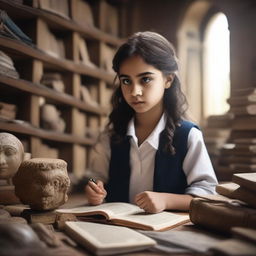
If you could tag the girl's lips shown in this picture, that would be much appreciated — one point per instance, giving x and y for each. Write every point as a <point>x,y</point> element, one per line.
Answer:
<point>138,102</point>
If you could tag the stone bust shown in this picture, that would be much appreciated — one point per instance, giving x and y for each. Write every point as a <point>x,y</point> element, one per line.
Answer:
<point>42,183</point>
<point>11,155</point>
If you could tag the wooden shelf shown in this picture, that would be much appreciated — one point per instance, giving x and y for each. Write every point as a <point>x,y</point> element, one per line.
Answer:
<point>76,42</point>
<point>41,90</point>
<point>58,21</point>
<point>27,129</point>
<point>21,48</point>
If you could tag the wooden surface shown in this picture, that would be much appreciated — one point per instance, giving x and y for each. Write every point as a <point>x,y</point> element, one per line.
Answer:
<point>55,97</point>
<point>26,12</point>
<point>80,200</point>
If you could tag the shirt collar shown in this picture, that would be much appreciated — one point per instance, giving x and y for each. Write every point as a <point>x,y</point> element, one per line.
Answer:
<point>153,138</point>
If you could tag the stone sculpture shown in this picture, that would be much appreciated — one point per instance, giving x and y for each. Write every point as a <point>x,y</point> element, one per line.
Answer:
<point>11,155</point>
<point>51,118</point>
<point>42,183</point>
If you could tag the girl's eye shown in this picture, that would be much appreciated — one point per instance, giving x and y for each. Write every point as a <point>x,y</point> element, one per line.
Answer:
<point>146,80</point>
<point>125,81</point>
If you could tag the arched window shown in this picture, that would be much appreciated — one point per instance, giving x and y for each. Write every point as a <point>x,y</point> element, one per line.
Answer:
<point>216,66</point>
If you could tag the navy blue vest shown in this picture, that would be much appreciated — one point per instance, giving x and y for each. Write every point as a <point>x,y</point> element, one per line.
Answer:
<point>168,173</point>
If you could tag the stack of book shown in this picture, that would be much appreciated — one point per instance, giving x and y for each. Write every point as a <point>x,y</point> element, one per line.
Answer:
<point>216,133</point>
<point>7,66</point>
<point>232,212</point>
<point>242,188</point>
<point>235,206</point>
<point>239,154</point>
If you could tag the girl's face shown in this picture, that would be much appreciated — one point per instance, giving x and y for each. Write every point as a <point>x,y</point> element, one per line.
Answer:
<point>142,85</point>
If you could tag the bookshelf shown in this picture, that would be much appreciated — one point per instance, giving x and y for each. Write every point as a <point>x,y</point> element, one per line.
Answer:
<point>79,53</point>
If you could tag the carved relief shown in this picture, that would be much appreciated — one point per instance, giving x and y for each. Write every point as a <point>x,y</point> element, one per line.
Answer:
<point>42,183</point>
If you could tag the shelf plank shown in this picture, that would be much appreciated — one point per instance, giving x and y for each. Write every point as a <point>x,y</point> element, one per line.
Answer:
<point>21,48</point>
<point>59,21</point>
<point>27,129</point>
<point>48,93</point>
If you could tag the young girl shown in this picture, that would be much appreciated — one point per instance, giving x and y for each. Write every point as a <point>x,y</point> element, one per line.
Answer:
<point>149,154</point>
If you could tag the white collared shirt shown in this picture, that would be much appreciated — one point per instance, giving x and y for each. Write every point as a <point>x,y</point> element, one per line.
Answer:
<point>197,166</point>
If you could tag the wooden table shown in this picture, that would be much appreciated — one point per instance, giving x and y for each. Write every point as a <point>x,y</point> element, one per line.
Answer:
<point>79,200</point>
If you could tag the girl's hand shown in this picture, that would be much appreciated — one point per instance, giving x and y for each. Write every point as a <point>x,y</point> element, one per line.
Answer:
<point>152,202</point>
<point>95,193</point>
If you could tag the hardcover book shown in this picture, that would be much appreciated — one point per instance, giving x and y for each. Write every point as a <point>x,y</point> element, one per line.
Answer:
<point>221,216</point>
<point>246,180</point>
<point>233,190</point>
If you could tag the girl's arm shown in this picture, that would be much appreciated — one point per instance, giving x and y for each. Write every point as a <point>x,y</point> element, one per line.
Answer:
<point>197,166</point>
<point>99,159</point>
<point>200,175</point>
<point>154,202</point>
<point>98,170</point>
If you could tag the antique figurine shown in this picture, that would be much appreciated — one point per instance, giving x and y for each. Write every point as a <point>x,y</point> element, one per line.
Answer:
<point>42,183</point>
<point>51,118</point>
<point>11,155</point>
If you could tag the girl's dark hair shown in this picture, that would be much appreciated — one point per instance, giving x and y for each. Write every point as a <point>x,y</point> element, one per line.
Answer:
<point>157,51</point>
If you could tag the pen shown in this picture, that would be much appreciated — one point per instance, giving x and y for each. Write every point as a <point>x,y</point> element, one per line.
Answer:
<point>96,188</point>
<point>93,180</point>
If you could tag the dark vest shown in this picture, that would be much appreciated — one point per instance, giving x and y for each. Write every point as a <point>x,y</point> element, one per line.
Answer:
<point>168,173</point>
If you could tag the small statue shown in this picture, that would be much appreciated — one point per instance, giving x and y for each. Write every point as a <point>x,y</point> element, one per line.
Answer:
<point>51,118</point>
<point>11,155</point>
<point>42,183</point>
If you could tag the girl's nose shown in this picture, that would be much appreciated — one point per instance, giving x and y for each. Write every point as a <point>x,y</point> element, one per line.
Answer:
<point>136,91</point>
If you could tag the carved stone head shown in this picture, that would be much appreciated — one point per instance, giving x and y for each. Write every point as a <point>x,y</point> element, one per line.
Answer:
<point>11,155</point>
<point>42,183</point>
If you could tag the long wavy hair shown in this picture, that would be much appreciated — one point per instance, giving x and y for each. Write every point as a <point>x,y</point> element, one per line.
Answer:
<point>157,51</point>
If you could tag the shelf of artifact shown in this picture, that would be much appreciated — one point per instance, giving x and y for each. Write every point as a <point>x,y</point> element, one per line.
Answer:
<point>19,48</point>
<point>22,127</point>
<point>27,12</point>
<point>74,154</point>
<point>20,85</point>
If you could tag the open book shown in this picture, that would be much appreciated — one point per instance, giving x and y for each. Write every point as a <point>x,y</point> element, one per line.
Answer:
<point>103,239</point>
<point>129,215</point>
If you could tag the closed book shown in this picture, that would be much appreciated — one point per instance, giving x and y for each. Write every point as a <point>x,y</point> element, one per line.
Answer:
<point>233,190</point>
<point>102,239</point>
<point>244,123</point>
<point>246,180</point>
<point>221,216</point>
<point>244,110</point>
<point>242,100</point>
